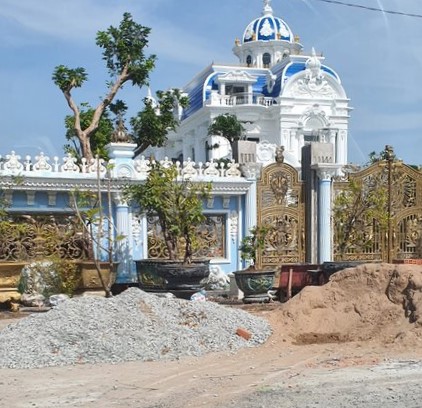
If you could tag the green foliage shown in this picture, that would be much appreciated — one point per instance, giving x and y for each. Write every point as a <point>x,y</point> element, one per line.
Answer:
<point>386,154</point>
<point>69,276</point>
<point>253,243</point>
<point>227,126</point>
<point>50,277</point>
<point>356,209</point>
<point>66,78</point>
<point>152,124</point>
<point>176,203</point>
<point>123,50</point>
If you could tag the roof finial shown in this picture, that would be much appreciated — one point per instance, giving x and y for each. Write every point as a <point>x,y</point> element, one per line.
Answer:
<point>267,8</point>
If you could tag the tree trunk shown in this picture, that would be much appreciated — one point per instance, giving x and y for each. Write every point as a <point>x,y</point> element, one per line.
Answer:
<point>85,146</point>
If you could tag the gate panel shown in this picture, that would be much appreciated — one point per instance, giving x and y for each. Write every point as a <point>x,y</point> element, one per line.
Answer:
<point>280,205</point>
<point>378,214</point>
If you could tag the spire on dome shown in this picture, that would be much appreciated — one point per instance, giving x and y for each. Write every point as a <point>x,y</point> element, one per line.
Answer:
<point>151,98</point>
<point>268,10</point>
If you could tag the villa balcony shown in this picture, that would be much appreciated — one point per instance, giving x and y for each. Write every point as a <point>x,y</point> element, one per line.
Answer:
<point>240,99</point>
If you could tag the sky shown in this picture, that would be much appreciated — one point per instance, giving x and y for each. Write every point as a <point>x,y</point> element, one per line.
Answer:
<point>377,55</point>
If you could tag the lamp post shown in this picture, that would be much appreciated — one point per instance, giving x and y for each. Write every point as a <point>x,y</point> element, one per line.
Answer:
<point>389,157</point>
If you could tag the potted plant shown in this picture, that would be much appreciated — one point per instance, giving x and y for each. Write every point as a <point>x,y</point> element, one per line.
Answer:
<point>98,270</point>
<point>177,203</point>
<point>253,281</point>
<point>229,127</point>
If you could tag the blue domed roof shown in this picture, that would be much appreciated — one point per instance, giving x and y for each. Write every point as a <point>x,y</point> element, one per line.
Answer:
<point>267,27</point>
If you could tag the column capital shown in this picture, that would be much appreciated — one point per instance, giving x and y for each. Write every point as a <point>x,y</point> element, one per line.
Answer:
<point>119,200</point>
<point>326,171</point>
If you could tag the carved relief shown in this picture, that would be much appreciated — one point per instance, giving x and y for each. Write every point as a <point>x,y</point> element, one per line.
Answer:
<point>280,204</point>
<point>279,184</point>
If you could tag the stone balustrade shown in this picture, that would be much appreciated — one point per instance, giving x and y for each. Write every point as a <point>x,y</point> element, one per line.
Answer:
<point>67,167</point>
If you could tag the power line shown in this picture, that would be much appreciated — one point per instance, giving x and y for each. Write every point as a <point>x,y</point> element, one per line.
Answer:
<point>372,8</point>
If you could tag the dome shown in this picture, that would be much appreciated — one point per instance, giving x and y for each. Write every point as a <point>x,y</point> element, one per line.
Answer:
<point>267,27</point>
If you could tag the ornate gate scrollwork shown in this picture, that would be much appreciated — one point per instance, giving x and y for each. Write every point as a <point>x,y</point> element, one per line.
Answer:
<point>35,236</point>
<point>280,205</point>
<point>389,225</point>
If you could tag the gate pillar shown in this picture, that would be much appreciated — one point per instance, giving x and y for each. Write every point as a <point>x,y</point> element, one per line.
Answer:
<point>325,172</point>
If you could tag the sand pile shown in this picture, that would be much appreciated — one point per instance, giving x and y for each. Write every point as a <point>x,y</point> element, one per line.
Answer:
<point>379,302</point>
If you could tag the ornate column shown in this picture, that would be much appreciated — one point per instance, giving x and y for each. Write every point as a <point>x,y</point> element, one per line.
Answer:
<point>125,272</point>
<point>324,172</point>
<point>252,173</point>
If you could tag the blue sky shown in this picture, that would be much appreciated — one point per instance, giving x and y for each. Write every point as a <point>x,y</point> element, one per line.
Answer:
<point>378,57</point>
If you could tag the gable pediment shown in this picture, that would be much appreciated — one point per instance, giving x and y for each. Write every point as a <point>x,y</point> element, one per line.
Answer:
<point>238,76</point>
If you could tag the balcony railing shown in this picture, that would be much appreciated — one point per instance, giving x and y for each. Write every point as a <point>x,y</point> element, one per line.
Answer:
<point>240,99</point>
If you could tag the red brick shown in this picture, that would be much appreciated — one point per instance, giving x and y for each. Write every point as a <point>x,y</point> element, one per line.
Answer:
<point>243,333</point>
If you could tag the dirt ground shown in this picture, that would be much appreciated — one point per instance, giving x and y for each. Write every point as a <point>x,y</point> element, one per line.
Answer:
<point>253,377</point>
<point>373,358</point>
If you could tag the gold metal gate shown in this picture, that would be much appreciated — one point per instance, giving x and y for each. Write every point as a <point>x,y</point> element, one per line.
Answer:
<point>378,213</point>
<point>280,205</point>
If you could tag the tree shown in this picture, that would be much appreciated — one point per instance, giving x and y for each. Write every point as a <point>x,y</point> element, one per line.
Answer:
<point>152,124</point>
<point>93,213</point>
<point>356,209</point>
<point>227,126</point>
<point>99,138</point>
<point>123,51</point>
<point>386,154</point>
<point>176,202</point>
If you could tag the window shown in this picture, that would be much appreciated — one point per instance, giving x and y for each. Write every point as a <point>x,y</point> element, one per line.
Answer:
<point>234,89</point>
<point>266,60</point>
<point>312,136</point>
<point>249,60</point>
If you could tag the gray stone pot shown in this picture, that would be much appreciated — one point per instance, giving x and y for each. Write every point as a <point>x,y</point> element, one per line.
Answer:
<point>255,284</point>
<point>162,275</point>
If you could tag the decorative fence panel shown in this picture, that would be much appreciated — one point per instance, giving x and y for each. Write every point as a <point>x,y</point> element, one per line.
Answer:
<point>35,237</point>
<point>384,222</point>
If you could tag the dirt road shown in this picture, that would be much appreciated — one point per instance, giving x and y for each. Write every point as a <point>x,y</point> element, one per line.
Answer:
<point>281,374</point>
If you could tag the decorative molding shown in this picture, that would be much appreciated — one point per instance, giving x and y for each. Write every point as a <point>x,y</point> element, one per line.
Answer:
<point>137,229</point>
<point>234,225</point>
<point>237,76</point>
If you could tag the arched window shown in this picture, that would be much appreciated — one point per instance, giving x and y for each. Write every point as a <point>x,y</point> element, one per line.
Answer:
<point>249,60</point>
<point>266,60</point>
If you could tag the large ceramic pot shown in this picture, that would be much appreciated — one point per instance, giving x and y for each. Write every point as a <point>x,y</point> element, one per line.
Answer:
<point>255,284</point>
<point>90,281</point>
<point>329,268</point>
<point>161,275</point>
<point>9,279</point>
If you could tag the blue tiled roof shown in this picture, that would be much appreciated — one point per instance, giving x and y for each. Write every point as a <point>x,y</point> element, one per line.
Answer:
<point>267,28</point>
<point>295,67</point>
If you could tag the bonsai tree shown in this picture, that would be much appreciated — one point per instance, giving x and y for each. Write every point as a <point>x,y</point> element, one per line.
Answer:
<point>227,126</point>
<point>152,124</point>
<point>176,203</point>
<point>123,52</point>
<point>253,243</point>
<point>90,128</point>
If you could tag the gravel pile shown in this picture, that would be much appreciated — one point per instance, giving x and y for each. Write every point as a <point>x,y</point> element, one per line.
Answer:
<point>134,325</point>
